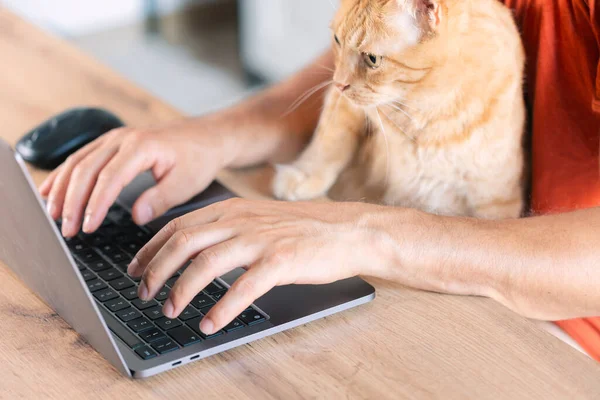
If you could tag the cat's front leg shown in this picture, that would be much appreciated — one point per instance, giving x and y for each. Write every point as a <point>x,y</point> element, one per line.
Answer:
<point>330,151</point>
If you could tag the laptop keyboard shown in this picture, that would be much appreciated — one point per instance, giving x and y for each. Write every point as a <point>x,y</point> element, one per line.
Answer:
<point>102,259</point>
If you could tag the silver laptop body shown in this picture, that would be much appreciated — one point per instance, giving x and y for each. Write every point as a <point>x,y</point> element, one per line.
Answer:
<point>31,245</point>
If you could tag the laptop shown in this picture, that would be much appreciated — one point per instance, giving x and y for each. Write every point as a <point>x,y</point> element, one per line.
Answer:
<point>84,280</point>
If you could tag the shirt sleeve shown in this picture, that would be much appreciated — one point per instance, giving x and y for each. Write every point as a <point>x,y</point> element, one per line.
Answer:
<point>595,19</point>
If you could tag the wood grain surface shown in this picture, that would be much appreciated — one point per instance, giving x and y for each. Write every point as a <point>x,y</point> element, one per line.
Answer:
<point>405,344</point>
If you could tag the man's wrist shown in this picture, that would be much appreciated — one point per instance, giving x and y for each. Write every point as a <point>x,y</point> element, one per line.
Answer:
<point>440,254</point>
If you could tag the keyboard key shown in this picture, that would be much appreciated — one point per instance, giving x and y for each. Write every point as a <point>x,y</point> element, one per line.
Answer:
<point>106,295</point>
<point>154,313</point>
<point>130,294</point>
<point>118,215</point>
<point>142,236</point>
<point>251,317</point>
<point>96,239</point>
<point>189,313</point>
<point>142,305</point>
<point>117,304</point>
<point>110,274</point>
<point>98,265</point>
<point>234,326</point>
<point>212,288</point>
<point>79,264</point>
<point>140,324</point>
<point>163,294</point>
<point>202,300</point>
<point>145,352</point>
<point>118,329</point>
<point>131,248</point>
<point>219,295</point>
<point>87,275</point>
<point>152,335</point>
<point>205,310</point>
<point>121,283</point>
<point>128,314</point>
<point>171,281</point>
<point>78,247</point>
<point>96,284</point>
<point>195,325</point>
<point>123,267</point>
<point>114,254</point>
<point>88,256</point>
<point>165,345</point>
<point>166,323</point>
<point>184,336</point>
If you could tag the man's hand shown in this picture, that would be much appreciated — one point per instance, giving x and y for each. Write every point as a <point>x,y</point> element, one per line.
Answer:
<point>183,161</point>
<point>278,243</point>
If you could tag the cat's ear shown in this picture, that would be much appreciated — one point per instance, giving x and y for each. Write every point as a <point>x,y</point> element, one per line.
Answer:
<point>431,11</point>
<point>428,13</point>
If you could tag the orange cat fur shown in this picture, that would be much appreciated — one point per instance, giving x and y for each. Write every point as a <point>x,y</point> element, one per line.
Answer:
<point>426,110</point>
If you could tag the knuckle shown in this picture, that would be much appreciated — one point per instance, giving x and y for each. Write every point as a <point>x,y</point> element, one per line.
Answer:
<point>71,160</point>
<point>173,226</point>
<point>151,277</point>
<point>181,294</point>
<point>208,257</point>
<point>142,254</point>
<point>279,257</point>
<point>135,137</point>
<point>181,239</point>
<point>104,176</point>
<point>245,286</point>
<point>79,170</point>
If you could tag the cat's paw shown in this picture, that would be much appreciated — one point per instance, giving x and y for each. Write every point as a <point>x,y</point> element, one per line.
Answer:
<point>293,184</point>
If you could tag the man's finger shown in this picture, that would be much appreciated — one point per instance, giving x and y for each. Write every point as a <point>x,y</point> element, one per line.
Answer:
<point>121,170</point>
<point>168,192</point>
<point>56,196</point>
<point>48,182</point>
<point>208,265</point>
<point>81,184</point>
<point>204,216</point>
<point>178,250</point>
<point>250,286</point>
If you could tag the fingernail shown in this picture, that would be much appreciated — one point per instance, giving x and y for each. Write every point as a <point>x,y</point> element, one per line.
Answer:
<point>50,207</point>
<point>207,326</point>
<point>143,292</point>
<point>132,268</point>
<point>168,309</point>
<point>87,223</point>
<point>66,227</point>
<point>145,214</point>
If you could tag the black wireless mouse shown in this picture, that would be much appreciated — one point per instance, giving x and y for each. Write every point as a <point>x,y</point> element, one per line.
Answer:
<point>48,145</point>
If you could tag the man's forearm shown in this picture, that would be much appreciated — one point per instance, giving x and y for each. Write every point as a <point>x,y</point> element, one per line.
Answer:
<point>543,267</point>
<point>271,127</point>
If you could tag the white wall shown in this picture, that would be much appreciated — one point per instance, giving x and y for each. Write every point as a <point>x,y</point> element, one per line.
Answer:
<point>280,36</point>
<point>80,17</point>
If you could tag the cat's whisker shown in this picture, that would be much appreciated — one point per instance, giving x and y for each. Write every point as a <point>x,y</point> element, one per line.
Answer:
<point>402,111</point>
<point>325,67</point>
<point>305,96</point>
<point>387,149</point>
<point>412,139</point>
<point>399,103</point>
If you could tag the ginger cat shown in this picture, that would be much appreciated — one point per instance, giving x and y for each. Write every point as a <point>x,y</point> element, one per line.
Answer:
<point>426,110</point>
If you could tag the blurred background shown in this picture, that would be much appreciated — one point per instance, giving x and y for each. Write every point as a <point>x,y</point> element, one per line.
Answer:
<point>197,55</point>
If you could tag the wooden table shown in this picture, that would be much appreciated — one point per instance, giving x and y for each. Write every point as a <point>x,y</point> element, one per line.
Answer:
<point>406,344</point>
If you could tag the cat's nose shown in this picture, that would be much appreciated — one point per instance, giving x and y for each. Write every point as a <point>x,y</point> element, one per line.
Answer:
<point>342,86</point>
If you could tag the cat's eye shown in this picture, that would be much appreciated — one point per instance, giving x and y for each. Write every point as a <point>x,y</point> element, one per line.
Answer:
<point>372,60</point>
<point>337,40</point>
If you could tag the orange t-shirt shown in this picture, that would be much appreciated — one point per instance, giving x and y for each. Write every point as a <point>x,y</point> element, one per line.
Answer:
<point>562,41</point>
